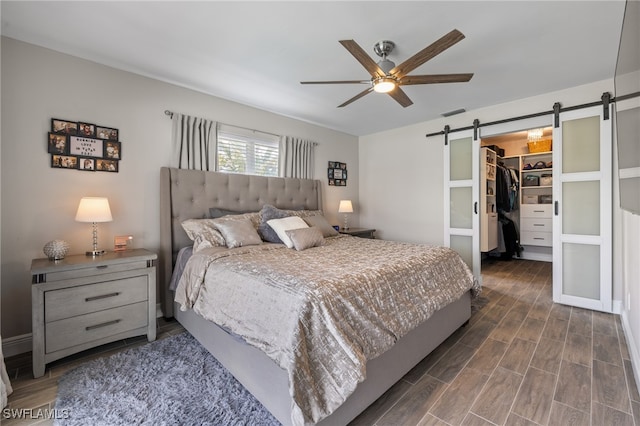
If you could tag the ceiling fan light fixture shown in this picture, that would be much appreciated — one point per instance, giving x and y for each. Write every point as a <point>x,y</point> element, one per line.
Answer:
<point>384,84</point>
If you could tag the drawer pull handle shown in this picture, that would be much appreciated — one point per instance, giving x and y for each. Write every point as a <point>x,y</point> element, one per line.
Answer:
<point>538,238</point>
<point>104,324</point>
<point>103,296</point>
<point>538,211</point>
<point>102,267</point>
<point>538,224</point>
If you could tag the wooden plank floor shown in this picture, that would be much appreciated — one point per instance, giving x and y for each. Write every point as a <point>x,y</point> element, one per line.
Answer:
<point>522,360</point>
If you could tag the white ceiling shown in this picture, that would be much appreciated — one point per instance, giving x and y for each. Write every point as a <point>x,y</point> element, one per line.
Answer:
<point>256,53</point>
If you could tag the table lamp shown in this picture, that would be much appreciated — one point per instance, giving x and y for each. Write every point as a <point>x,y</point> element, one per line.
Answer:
<point>345,207</point>
<point>94,210</point>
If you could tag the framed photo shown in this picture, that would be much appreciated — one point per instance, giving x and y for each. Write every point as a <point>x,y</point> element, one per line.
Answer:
<point>112,150</point>
<point>337,173</point>
<point>106,165</point>
<point>87,164</point>
<point>87,130</point>
<point>64,161</point>
<point>86,147</point>
<point>107,133</point>
<point>58,144</point>
<point>64,126</point>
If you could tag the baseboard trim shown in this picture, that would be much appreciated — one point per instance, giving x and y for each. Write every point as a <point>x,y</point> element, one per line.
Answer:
<point>16,345</point>
<point>542,257</point>
<point>631,344</point>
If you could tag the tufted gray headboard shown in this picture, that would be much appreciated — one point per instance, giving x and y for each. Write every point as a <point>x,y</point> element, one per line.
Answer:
<point>187,194</point>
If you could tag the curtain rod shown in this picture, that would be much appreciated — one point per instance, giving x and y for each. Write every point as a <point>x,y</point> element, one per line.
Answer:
<point>556,110</point>
<point>170,114</point>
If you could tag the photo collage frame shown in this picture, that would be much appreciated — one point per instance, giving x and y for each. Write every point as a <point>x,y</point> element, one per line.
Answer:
<point>84,146</point>
<point>337,173</point>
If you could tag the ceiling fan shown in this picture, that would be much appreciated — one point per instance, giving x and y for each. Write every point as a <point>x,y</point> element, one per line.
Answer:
<point>386,77</point>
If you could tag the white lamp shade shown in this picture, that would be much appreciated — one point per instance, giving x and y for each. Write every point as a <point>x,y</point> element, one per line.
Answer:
<point>94,209</point>
<point>345,206</point>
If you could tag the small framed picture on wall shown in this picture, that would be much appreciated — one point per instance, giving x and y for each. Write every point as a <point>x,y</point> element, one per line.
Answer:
<point>58,144</point>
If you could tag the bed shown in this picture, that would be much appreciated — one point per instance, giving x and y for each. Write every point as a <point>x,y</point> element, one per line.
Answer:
<point>189,194</point>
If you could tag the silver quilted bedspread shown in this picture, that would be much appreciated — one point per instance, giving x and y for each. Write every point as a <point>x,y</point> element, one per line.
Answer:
<point>321,313</point>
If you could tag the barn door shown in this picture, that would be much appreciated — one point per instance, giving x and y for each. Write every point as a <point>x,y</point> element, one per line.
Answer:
<point>461,198</point>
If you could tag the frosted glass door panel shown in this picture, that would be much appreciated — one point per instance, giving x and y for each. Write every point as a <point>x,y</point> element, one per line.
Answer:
<point>581,272</point>
<point>461,158</point>
<point>581,145</point>
<point>463,245</point>
<point>581,211</point>
<point>461,197</point>
<point>582,220</point>
<point>460,211</point>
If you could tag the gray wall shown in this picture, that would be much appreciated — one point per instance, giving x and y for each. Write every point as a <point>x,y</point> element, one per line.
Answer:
<point>39,203</point>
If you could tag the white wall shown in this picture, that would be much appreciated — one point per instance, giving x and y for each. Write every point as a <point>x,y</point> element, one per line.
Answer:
<point>39,203</point>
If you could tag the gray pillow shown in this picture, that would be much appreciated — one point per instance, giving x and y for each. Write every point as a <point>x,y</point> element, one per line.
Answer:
<point>321,223</point>
<point>238,233</point>
<point>267,213</point>
<point>305,238</point>
<point>215,212</point>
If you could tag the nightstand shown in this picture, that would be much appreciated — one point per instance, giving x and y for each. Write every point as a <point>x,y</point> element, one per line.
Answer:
<point>81,302</point>
<point>359,232</point>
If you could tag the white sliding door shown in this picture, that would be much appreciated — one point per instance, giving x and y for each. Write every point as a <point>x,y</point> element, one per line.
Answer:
<point>461,198</point>
<point>582,221</point>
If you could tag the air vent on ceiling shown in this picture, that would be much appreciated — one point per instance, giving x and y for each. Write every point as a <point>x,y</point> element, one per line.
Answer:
<point>454,112</point>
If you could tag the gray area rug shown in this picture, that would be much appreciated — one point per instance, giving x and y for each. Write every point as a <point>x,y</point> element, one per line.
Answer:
<point>173,381</point>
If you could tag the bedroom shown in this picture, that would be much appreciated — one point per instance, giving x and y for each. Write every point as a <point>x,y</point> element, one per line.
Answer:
<point>39,84</point>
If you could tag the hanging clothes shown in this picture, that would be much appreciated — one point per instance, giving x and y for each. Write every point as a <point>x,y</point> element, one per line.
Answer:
<point>503,187</point>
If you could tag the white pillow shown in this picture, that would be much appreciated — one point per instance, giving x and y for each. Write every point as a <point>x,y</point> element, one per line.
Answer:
<point>281,226</point>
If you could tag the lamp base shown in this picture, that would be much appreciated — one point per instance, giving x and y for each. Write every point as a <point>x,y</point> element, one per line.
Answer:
<point>95,253</point>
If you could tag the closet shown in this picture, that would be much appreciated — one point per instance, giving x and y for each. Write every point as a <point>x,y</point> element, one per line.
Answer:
<point>527,202</point>
<point>564,210</point>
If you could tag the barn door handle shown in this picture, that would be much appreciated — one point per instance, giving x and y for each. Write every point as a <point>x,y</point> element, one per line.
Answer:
<point>556,208</point>
<point>475,207</point>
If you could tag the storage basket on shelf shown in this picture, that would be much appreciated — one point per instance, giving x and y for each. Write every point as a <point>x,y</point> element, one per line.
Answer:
<point>543,145</point>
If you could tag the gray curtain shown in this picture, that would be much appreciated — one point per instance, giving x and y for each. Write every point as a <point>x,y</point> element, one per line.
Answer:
<point>194,143</point>
<point>296,157</point>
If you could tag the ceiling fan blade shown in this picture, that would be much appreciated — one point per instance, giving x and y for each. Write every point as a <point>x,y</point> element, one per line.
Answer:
<point>338,82</point>
<point>356,97</point>
<point>435,78</point>
<point>367,62</point>
<point>427,53</point>
<point>401,97</point>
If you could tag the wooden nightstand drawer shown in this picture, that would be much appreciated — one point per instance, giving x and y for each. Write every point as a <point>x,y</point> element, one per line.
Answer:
<point>72,301</point>
<point>95,270</point>
<point>81,329</point>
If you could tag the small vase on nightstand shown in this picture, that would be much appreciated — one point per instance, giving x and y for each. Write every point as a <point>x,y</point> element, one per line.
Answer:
<point>56,249</point>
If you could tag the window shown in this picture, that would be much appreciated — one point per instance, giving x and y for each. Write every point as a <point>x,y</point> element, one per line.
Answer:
<point>247,151</point>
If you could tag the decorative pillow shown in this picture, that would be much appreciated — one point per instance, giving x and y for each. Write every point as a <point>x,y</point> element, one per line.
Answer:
<point>305,238</point>
<point>281,226</point>
<point>267,213</point>
<point>203,233</point>
<point>321,223</point>
<point>215,212</point>
<point>254,217</point>
<point>238,233</point>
